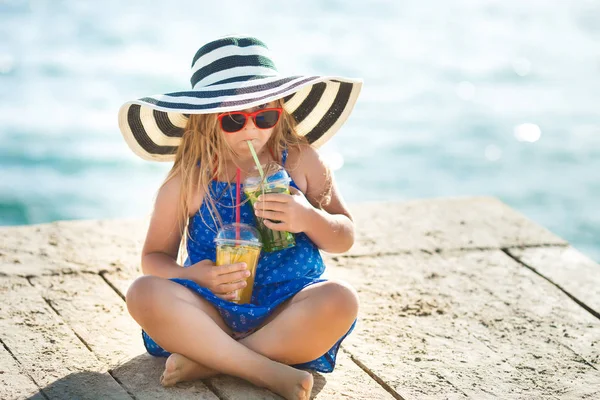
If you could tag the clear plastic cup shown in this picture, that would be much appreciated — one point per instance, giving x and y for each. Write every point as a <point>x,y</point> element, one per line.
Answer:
<point>239,243</point>
<point>276,180</point>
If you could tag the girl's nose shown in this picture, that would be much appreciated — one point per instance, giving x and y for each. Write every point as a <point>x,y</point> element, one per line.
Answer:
<point>250,124</point>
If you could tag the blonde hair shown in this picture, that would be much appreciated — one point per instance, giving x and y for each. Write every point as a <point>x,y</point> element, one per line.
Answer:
<point>200,159</point>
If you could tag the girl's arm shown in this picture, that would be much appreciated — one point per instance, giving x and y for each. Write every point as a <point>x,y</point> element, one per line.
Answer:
<point>159,254</point>
<point>328,224</point>
<point>331,228</point>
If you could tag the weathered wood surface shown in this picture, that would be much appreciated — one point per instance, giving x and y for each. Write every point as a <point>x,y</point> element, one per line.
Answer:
<point>140,376</point>
<point>71,246</point>
<point>478,321</point>
<point>14,383</point>
<point>460,298</point>
<point>567,268</point>
<point>442,224</point>
<point>47,349</point>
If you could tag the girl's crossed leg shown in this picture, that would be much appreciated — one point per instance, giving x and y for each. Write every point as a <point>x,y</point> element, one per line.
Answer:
<point>300,330</point>
<point>183,323</point>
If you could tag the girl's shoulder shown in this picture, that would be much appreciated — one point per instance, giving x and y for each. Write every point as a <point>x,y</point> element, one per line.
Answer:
<point>169,194</point>
<point>169,191</point>
<point>306,159</point>
<point>307,168</point>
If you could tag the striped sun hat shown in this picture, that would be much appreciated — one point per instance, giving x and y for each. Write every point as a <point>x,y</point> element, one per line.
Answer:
<point>229,74</point>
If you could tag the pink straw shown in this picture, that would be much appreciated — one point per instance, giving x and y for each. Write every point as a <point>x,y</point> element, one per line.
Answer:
<point>238,179</point>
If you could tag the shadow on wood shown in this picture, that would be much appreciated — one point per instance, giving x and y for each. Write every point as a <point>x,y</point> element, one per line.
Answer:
<point>83,385</point>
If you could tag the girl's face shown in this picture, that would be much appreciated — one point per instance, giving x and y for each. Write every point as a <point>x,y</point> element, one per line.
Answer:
<point>238,140</point>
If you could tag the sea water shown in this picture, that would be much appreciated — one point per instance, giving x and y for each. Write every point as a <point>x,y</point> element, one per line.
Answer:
<point>467,97</point>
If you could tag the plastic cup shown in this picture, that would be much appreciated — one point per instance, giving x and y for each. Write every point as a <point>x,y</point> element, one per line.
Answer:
<point>276,180</point>
<point>239,243</point>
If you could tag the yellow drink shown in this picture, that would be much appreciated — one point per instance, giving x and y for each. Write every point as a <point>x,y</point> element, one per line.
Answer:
<point>231,254</point>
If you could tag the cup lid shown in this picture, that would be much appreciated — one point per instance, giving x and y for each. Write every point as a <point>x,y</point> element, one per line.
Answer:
<point>274,173</point>
<point>248,235</point>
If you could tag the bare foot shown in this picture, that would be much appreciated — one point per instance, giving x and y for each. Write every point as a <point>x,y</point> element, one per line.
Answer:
<point>292,383</point>
<point>179,368</point>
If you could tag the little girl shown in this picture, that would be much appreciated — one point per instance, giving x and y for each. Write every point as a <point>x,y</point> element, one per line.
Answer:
<point>296,320</point>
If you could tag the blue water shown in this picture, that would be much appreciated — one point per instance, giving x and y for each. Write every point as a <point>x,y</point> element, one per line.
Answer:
<point>447,84</point>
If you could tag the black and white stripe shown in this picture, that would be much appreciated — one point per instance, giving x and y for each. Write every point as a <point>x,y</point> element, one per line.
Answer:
<point>228,58</point>
<point>232,74</point>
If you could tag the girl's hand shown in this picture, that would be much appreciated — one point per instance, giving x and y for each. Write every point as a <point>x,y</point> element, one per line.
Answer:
<point>291,211</point>
<point>222,280</point>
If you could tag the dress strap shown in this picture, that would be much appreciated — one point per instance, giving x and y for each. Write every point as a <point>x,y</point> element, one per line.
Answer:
<point>283,155</point>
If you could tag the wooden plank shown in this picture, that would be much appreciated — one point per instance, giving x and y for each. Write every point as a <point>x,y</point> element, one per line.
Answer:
<point>537,311</point>
<point>14,384</point>
<point>346,381</point>
<point>17,263</point>
<point>141,376</point>
<point>566,267</point>
<point>442,313</point>
<point>95,313</point>
<point>450,223</point>
<point>406,337</point>
<point>47,349</point>
<point>99,317</point>
<point>436,359</point>
<point>120,280</point>
<point>71,246</point>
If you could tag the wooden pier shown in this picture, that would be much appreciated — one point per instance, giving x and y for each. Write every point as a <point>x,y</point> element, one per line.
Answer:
<point>460,298</point>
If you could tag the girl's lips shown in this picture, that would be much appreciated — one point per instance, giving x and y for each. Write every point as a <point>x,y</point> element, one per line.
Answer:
<point>255,143</point>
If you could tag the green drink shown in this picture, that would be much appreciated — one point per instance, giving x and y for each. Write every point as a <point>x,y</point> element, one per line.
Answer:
<point>276,180</point>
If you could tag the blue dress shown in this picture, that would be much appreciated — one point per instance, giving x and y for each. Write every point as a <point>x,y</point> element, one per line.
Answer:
<point>279,275</point>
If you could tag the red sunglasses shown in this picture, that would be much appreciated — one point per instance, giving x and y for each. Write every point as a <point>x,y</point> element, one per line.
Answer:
<point>235,121</point>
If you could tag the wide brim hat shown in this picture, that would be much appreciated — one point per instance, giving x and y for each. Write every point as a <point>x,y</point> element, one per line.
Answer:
<point>230,74</point>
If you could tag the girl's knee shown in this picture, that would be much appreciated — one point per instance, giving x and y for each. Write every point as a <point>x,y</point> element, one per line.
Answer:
<point>140,295</point>
<point>341,299</point>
